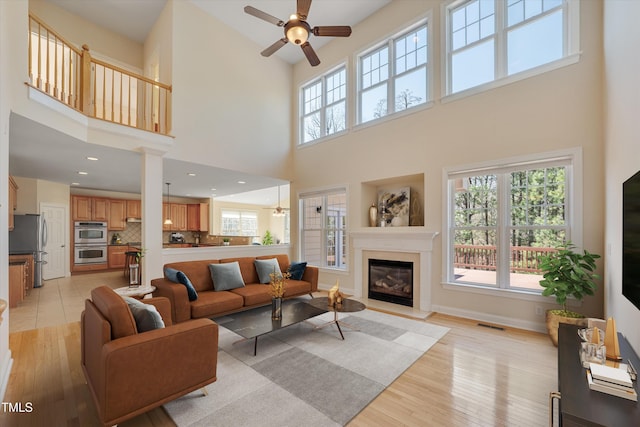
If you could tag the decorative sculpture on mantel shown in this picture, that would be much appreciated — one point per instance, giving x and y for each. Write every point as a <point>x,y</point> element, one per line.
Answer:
<point>611,341</point>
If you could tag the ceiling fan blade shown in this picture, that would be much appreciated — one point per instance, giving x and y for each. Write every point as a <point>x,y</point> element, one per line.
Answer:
<point>332,31</point>
<point>303,8</point>
<point>263,15</point>
<point>310,54</point>
<point>274,47</point>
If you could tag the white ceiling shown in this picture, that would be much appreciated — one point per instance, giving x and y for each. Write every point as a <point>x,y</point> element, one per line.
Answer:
<point>118,170</point>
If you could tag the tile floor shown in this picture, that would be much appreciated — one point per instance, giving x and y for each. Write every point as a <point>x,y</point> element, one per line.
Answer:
<point>60,301</point>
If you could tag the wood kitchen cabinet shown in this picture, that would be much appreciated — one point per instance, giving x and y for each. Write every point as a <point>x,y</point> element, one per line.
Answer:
<point>134,209</point>
<point>116,256</point>
<point>29,272</point>
<point>178,214</point>
<point>85,208</point>
<point>198,217</point>
<point>117,214</point>
<point>13,200</point>
<point>17,282</point>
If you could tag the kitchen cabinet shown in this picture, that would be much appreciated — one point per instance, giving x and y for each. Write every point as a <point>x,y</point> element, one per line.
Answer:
<point>178,214</point>
<point>117,214</point>
<point>85,208</point>
<point>17,282</point>
<point>29,273</point>
<point>116,256</point>
<point>198,217</point>
<point>134,209</point>
<point>13,200</point>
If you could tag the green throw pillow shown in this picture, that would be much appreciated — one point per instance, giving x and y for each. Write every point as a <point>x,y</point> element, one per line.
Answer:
<point>226,276</point>
<point>264,267</point>
<point>146,315</point>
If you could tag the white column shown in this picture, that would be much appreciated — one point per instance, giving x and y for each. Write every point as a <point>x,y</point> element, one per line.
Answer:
<point>151,183</point>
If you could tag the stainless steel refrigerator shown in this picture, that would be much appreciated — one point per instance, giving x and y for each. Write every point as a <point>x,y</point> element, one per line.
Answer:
<point>29,236</point>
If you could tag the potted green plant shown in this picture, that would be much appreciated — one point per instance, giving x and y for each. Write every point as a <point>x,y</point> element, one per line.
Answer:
<point>225,241</point>
<point>567,273</point>
<point>268,238</point>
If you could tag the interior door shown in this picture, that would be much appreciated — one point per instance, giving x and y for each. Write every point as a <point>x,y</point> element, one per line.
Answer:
<point>56,248</point>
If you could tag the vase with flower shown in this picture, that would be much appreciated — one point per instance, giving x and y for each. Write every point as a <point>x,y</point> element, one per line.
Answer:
<point>276,289</point>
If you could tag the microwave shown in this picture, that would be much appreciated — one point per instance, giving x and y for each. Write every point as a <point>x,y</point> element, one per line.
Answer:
<point>90,233</point>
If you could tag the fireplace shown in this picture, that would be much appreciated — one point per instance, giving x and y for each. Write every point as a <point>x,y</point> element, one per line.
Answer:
<point>391,281</point>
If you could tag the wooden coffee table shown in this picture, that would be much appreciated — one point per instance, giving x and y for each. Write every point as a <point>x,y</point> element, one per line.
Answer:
<point>347,306</point>
<point>257,321</point>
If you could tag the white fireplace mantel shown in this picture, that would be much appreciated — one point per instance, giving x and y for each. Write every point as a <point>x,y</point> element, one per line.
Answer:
<point>395,239</point>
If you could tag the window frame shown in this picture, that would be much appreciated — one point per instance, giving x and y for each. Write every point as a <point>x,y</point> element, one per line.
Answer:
<point>571,48</point>
<point>389,43</point>
<point>325,230</point>
<point>323,105</point>
<point>570,158</point>
<point>241,212</point>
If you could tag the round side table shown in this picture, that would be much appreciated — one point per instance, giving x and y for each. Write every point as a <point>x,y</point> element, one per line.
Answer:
<point>347,306</point>
<point>135,291</point>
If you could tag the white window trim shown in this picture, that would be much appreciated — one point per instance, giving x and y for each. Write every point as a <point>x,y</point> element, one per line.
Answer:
<point>425,19</point>
<point>323,191</point>
<point>574,212</point>
<point>571,42</point>
<point>344,64</point>
<point>241,212</point>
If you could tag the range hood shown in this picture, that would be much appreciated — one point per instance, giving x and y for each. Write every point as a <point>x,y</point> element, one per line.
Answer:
<point>131,219</point>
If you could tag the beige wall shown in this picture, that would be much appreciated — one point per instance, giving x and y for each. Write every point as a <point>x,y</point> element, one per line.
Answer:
<point>230,105</point>
<point>103,43</point>
<point>32,192</point>
<point>555,110</point>
<point>621,38</point>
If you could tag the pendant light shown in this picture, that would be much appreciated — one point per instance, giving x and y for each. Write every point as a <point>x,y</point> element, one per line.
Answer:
<point>168,221</point>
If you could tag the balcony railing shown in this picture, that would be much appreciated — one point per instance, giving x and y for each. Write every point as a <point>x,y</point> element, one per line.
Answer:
<point>93,87</point>
<point>524,259</point>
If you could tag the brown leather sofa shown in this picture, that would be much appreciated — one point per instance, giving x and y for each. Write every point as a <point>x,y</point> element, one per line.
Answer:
<point>211,303</point>
<point>129,373</point>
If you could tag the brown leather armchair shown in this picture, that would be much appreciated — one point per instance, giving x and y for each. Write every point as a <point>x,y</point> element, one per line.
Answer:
<point>129,373</point>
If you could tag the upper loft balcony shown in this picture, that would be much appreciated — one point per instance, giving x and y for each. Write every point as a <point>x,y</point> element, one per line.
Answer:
<point>95,88</point>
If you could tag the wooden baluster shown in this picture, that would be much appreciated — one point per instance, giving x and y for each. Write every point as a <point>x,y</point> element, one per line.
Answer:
<point>85,81</point>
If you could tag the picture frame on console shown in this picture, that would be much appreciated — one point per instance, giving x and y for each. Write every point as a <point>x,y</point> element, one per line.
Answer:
<point>394,207</point>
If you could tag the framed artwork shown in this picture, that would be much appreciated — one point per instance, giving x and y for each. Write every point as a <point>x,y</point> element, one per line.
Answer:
<point>394,206</point>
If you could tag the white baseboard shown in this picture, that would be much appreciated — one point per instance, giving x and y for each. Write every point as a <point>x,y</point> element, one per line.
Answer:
<point>5,371</point>
<point>491,318</point>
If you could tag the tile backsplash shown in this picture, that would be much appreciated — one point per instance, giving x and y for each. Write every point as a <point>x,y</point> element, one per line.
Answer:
<point>133,233</point>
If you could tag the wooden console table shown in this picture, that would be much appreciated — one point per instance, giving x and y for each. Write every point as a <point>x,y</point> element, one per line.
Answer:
<point>580,406</point>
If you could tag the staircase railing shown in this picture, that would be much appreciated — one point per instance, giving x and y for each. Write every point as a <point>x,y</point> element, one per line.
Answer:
<point>93,87</point>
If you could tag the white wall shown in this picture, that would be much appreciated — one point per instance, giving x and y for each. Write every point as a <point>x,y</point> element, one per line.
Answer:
<point>622,88</point>
<point>555,110</point>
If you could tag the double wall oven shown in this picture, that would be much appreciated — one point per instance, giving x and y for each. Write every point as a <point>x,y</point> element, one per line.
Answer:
<point>90,242</point>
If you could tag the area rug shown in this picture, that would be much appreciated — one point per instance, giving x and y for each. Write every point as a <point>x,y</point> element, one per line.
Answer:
<point>304,375</point>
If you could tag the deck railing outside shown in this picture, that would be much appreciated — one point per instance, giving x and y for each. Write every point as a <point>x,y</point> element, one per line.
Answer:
<point>94,87</point>
<point>524,259</point>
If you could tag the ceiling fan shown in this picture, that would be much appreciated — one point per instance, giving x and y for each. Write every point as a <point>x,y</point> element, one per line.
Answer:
<point>278,210</point>
<point>297,30</point>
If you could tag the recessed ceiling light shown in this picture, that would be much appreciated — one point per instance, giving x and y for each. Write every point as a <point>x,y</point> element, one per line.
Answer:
<point>75,183</point>
<point>213,189</point>
<point>83,173</point>
<point>191,174</point>
<point>188,194</point>
<point>241,182</point>
<point>92,158</point>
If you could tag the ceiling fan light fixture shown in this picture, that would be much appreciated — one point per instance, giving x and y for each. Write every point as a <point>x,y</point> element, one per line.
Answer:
<point>296,31</point>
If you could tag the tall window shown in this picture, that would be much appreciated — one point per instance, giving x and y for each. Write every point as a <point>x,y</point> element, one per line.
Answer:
<point>503,219</point>
<point>239,223</point>
<point>324,228</point>
<point>491,39</point>
<point>393,77</point>
<point>324,106</point>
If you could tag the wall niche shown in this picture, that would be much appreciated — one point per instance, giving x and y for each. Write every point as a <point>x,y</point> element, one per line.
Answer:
<point>371,192</point>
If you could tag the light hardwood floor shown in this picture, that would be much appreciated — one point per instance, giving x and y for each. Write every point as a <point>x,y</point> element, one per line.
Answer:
<point>474,376</point>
